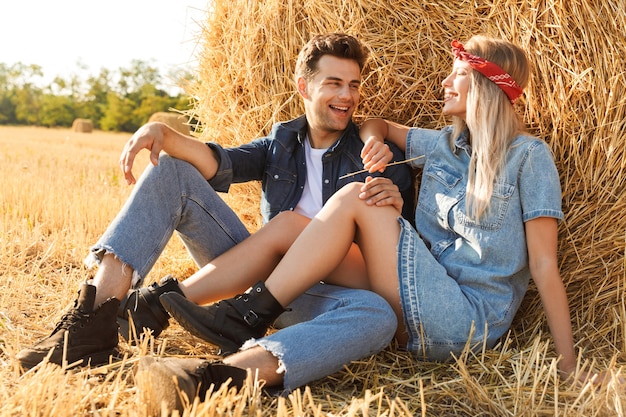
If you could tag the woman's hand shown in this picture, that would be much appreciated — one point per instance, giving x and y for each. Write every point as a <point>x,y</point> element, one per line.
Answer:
<point>373,132</point>
<point>375,154</point>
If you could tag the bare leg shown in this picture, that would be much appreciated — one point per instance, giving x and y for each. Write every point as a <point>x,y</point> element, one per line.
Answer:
<point>112,279</point>
<point>254,259</point>
<point>322,246</point>
<point>227,275</point>
<point>351,272</point>
<point>258,360</point>
<point>235,270</point>
<point>318,254</point>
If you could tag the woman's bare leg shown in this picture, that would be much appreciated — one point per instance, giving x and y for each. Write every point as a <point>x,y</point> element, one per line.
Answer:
<point>322,246</point>
<point>351,272</point>
<point>250,261</point>
<point>254,259</point>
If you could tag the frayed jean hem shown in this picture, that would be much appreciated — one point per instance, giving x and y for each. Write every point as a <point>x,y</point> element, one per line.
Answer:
<point>94,258</point>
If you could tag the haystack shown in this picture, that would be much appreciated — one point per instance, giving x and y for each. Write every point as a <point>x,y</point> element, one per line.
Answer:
<point>576,101</point>
<point>82,126</point>
<point>176,121</point>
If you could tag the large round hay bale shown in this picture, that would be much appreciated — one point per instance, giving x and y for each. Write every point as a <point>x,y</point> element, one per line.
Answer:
<point>576,101</point>
<point>176,121</point>
<point>82,126</point>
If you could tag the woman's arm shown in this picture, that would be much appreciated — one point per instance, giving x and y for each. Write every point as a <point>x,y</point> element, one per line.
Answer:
<point>376,153</point>
<point>542,242</point>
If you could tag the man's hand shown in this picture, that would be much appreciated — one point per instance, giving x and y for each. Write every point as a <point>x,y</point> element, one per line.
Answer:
<point>149,136</point>
<point>381,191</point>
<point>375,154</point>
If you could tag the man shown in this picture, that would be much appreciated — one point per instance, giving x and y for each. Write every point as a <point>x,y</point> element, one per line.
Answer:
<point>174,195</point>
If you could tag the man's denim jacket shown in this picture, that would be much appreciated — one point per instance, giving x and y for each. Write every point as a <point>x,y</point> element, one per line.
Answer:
<point>278,161</point>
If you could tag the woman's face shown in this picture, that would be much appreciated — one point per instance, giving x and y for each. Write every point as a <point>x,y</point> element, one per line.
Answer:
<point>455,88</point>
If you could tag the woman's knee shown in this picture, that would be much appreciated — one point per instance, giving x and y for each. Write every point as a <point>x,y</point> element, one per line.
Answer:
<point>289,223</point>
<point>347,195</point>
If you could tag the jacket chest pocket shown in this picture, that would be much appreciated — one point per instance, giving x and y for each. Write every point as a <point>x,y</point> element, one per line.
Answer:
<point>496,213</point>
<point>442,190</point>
<point>439,188</point>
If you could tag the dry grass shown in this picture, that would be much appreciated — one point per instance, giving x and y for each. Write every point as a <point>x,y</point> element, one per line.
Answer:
<point>60,189</point>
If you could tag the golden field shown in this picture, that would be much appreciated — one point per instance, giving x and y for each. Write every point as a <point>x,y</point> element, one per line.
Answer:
<point>60,189</point>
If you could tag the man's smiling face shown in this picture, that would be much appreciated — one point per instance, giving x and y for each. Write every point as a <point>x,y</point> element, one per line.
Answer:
<point>330,98</point>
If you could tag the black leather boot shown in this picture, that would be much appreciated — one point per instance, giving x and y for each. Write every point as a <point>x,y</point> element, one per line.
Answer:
<point>91,334</point>
<point>229,323</point>
<point>177,381</point>
<point>143,306</point>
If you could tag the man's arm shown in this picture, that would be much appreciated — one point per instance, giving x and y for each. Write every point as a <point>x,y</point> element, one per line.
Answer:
<point>158,137</point>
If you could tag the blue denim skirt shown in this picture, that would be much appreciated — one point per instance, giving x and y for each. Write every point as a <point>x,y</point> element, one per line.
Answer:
<point>440,317</point>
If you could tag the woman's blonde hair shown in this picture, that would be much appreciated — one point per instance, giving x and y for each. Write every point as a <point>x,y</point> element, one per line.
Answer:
<point>491,119</point>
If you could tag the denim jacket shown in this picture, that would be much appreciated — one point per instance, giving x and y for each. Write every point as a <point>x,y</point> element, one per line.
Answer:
<point>488,257</point>
<point>278,161</point>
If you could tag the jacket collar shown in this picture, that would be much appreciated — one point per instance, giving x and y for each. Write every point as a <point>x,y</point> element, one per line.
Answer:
<point>462,143</point>
<point>286,132</point>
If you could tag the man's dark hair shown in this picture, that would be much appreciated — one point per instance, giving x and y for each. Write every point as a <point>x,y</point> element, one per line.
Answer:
<point>339,45</point>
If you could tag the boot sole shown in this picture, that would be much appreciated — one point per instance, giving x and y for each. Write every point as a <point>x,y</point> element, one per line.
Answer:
<point>93,359</point>
<point>175,304</point>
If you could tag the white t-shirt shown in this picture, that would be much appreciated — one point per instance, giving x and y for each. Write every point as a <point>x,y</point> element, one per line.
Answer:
<point>311,201</point>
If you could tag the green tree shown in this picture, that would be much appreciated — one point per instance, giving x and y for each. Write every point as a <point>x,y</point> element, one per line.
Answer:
<point>96,99</point>
<point>7,106</point>
<point>19,95</point>
<point>119,100</point>
<point>57,110</point>
<point>27,101</point>
<point>118,114</point>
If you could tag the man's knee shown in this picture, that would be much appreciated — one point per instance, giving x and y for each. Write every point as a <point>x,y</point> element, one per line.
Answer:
<point>168,163</point>
<point>374,310</point>
<point>370,316</point>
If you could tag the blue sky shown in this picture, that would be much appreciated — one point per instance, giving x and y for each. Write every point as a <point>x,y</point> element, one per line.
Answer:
<point>58,35</point>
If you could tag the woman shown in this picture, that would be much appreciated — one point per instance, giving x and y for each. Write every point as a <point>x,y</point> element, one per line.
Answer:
<point>486,222</point>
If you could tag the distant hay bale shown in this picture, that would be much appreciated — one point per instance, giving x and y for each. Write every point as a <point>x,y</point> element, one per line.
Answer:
<point>576,101</point>
<point>176,121</point>
<point>82,126</point>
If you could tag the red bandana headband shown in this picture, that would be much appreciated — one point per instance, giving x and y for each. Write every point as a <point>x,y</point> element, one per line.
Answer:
<point>490,70</point>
